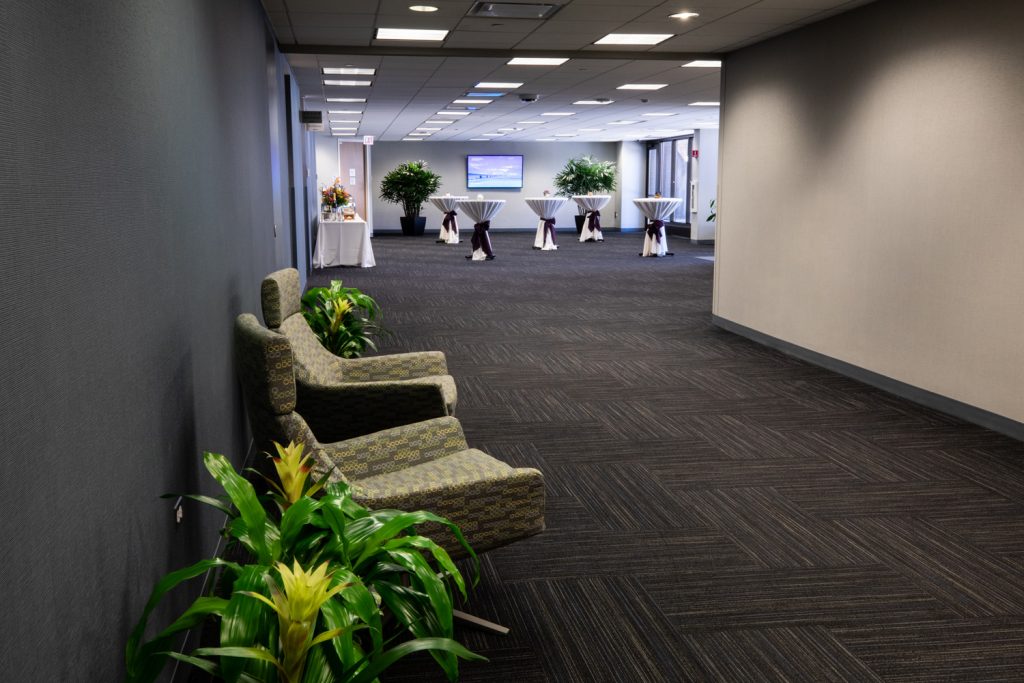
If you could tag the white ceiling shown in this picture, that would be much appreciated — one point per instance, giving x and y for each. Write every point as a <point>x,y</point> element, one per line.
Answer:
<point>414,80</point>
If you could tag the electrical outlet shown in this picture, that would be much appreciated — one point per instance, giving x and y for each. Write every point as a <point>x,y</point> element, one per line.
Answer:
<point>179,510</point>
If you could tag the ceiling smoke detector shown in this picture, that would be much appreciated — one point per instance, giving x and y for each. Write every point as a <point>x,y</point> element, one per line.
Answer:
<point>513,10</point>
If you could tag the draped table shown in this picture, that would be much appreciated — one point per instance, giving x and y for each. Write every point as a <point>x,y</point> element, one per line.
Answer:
<point>657,210</point>
<point>545,208</point>
<point>592,205</point>
<point>450,224</point>
<point>343,243</point>
<point>481,211</point>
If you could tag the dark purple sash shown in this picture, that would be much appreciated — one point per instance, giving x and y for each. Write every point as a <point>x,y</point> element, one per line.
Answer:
<point>654,230</point>
<point>449,222</point>
<point>594,221</point>
<point>480,239</point>
<point>549,228</point>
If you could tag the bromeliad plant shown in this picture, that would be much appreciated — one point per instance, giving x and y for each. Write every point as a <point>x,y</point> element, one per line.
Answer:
<point>307,606</point>
<point>343,318</point>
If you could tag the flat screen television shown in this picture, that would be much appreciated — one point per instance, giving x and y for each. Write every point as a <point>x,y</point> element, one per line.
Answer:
<point>494,171</point>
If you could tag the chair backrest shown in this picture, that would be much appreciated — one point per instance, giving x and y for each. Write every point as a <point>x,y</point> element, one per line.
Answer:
<point>281,296</point>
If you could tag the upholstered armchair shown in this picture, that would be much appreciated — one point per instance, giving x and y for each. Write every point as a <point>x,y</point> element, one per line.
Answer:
<point>421,466</point>
<point>343,397</point>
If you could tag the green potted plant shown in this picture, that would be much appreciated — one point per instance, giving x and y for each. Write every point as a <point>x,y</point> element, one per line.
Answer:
<point>410,184</point>
<point>343,318</point>
<point>585,175</point>
<point>306,603</point>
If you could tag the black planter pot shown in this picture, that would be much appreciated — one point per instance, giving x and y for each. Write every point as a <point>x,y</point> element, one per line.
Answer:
<point>413,227</point>
<point>580,220</point>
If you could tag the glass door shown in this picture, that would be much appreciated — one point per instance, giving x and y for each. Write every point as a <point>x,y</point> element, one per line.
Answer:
<point>668,173</point>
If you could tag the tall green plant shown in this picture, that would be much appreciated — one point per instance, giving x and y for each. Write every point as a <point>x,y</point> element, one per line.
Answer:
<point>306,607</point>
<point>409,184</point>
<point>343,318</point>
<point>585,175</point>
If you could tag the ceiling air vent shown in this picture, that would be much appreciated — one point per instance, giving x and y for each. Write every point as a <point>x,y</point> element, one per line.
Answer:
<point>514,10</point>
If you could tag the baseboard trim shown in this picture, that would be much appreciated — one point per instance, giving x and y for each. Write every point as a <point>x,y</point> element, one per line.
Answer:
<point>944,404</point>
<point>703,243</point>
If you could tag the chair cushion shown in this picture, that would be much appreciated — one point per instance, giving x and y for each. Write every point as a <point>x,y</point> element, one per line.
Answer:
<point>280,295</point>
<point>447,382</point>
<point>452,474</point>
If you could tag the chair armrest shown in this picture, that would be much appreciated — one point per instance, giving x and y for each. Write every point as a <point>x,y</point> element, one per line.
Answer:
<point>396,448</point>
<point>395,366</point>
<point>343,411</point>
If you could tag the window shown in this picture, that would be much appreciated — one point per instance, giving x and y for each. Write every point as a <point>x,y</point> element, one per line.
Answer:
<point>668,172</point>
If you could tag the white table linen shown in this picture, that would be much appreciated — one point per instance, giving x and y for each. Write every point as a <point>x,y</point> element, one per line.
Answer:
<point>592,205</point>
<point>447,205</point>
<point>481,211</point>
<point>545,208</point>
<point>657,210</point>
<point>343,243</point>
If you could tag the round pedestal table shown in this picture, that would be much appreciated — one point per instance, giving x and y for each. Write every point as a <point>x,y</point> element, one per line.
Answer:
<point>449,224</point>
<point>657,210</point>
<point>481,211</point>
<point>592,205</point>
<point>545,208</point>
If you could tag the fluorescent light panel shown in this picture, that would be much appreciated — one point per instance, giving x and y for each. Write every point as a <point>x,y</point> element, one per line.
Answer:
<point>642,86</point>
<point>684,15</point>
<point>344,121</point>
<point>593,101</point>
<point>479,139</point>
<point>344,111</point>
<point>411,34</point>
<point>484,94</point>
<point>547,139</point>
<point>454,113</point>
<point>440,121</point>
<point>622,123</point>
<point>558,113</point>
<point>344,128</point>
<point>341,135</point>
<point>705,104</point>
<point>346,99</point>
<point>497,84</point>
<point>565,135</point>
<point>493,135</point>
<point>633,38</point>
<point>591,130</point>
<point>412,140</point>
<point>347,71</point>
<point>426,128</point>
<point>334,81</point>
<point>422,8</point>
<point>708,63</point>
<point>531,121</point>
<point>537,61</point>
<point>471,101</point>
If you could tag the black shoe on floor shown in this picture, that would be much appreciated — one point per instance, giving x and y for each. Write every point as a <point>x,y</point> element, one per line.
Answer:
<point>491,257</point>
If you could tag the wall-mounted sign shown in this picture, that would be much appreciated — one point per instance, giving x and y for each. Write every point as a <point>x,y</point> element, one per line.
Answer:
<point>367,139</point>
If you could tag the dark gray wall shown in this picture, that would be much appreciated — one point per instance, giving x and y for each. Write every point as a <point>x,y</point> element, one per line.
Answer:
<point>136,221</point>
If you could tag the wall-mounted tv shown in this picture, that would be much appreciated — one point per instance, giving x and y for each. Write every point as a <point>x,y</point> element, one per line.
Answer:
<point>494,171</point>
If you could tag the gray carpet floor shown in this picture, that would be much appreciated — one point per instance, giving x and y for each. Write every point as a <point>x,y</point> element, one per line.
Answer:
<point>716,510</point>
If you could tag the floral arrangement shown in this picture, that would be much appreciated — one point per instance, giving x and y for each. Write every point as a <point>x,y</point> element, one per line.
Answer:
<point>335,195</point>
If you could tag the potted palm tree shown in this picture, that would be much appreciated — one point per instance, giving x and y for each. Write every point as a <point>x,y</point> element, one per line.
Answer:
<point>585,175</point>
<point>410,184</point>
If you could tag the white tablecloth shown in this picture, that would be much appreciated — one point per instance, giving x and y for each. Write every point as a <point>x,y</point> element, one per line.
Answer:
<point>445,204</point>
<point>592,204</point>
<point>343,243</point>
<point>657,209</point>
<point>545,208</point>
<point>481,211</point>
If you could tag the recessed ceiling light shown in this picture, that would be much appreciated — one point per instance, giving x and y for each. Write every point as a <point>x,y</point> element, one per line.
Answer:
<point>344,128</point>
<point>471,101</point>
<point>344,121</point>
<point>565,135</point>
<point>484,94</point>
<point>510,130</point>
<point>493,135</point>
<point>591,130</point>
<point>705,104</point>
<point>347,71</point>
<point>344,111</point>
<point>346,99</point>
<point>496,84</point>
<point>605,101</point>
<point>642,86</point>
<point>479,139</point>
<point>426,128</point>
<point>704,63</point>
<point>417,134</point>
<point>546,139</point>
<point>412,139</point>
<point>411,34</point>
<point>537,61</point>
<point>454,113</point>
<point>331,81</point>
<point>633,38</point>
<point>422,8</point>
<point>685,15</point>
<point>622,123</point>
<point>657,113</point>
<point>531,121</point>
<point>558,113</point>
<point>341,135</point>
<point>439,121</point>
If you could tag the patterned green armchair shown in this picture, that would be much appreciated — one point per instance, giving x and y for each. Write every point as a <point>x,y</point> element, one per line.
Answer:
<point>421,466</point>
<point>371,393</point>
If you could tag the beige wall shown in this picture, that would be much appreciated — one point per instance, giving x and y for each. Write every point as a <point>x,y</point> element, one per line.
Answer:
<point>872,194</point>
